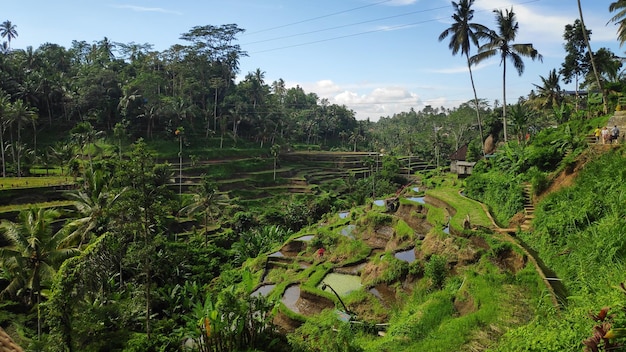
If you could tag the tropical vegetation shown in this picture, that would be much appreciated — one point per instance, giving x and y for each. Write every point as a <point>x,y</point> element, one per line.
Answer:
<point>148,196</point>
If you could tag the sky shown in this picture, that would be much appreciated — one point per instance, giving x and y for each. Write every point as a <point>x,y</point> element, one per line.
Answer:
<point>376,57</point>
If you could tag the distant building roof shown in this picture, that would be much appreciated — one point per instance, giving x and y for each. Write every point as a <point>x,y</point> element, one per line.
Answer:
<point>460,154</point>
<point>573,92</point>
<point>7,344</point>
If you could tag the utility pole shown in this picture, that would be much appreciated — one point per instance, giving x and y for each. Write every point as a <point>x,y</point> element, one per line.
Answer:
<point>179,133</point>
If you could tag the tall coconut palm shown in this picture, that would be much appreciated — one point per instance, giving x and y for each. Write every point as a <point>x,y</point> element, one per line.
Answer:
<point>7,30</point>
<point>619,7</point>
<point>593,62</point>
<point>5,106</point>
<point>463,35</point>
<point>501,43</point>
<point>33,253</point>
<point>20,114</point>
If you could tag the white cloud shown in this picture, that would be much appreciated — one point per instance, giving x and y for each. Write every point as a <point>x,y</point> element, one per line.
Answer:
<point>537,25</point>
<point>146,9</point>
<point>402,2</point>
<point>365,101</point>
<point>326,87</point>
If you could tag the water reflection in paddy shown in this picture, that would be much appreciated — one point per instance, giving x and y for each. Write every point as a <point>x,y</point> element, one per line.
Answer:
<point>290,297</point>
<point>341,283</point>
<point>417,199</point>
<point>407,256</point>
<point>379,202</point>
<point>344,214</point>
<point>347,231</point>
<point>375,292</point>
<point>305,238</point>
<point>263,290</point>
<point>415,189</point>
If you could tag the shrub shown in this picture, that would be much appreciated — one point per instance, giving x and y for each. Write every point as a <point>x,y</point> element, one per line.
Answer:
<point>436,269</point>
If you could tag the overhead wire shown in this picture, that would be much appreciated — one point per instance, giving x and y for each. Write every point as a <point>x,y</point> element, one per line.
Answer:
<point>318,17</point>
<point>345,25</point>
<point>386,29</point>
<point>356,23</point>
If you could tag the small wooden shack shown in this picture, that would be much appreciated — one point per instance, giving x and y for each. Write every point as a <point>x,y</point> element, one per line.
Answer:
<point>458,163</point>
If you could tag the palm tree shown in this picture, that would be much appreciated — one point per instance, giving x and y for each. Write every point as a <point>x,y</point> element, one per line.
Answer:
<point>21,113</point>
<point>207,200</point>
<point>619,7</point>
<point>549,93</point>
<point>216,83</point>
<point>462,35</point>
<point>521,117</point>
<point>593,63</point>
<point>83,134</point>
<point>92,202</point>
<point>63,153</point>
<point>7,30</point>
<point>33,254</point>
<point>501,43</point>
<point>275,149</point>
<point>5,106</point>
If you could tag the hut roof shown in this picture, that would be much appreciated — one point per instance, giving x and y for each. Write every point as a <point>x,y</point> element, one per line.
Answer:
<point>460,154</point>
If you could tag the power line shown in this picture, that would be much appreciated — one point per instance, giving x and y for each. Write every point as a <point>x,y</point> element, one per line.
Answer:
<point>318,17</point>
<point>392,28</point>
<point>364,32</point>
<point>346,25</point>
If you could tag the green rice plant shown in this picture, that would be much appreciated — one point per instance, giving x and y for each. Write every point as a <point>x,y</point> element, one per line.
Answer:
<point>418,320</point>
<point>325,332</point>
<point>31,182</point>
<point>404,232</point>
<point>375,218</point>
<point>464,206</point>
<point>350,251</point>
<point>416,268</point>
<point>436,269</point>
<point>393,269</point>
<point>318,274</point>
<point>436,215</point>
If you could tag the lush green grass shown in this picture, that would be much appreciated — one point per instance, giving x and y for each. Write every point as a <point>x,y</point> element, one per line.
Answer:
<point>20,207</point>
<point>464,207</point>
<point>32,182</point>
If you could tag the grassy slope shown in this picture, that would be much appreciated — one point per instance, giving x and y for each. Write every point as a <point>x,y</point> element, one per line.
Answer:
<point>496,300</point>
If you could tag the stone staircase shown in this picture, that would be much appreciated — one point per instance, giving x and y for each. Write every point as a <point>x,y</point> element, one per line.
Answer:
<point>529,207</point>
<point>618,119</point>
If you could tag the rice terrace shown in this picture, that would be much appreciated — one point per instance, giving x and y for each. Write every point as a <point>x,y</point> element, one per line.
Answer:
<point>161,201</point>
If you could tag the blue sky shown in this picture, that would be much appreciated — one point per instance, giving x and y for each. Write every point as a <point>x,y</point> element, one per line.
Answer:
<point>378,57</point>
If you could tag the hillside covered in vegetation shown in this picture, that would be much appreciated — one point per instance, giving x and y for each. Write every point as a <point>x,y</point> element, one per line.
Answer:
<point>151,202</point>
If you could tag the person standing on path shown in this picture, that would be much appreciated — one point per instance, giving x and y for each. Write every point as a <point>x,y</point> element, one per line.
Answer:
<point>605,135</point>
<point>614,134</point>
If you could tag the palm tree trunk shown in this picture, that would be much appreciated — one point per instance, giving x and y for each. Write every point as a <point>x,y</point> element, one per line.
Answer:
<point>480,125</point>
<point>4,167</point>
<point>593,63</point>
<point>504,99</point>
<point>214,112</point>
<point>38,316</point>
